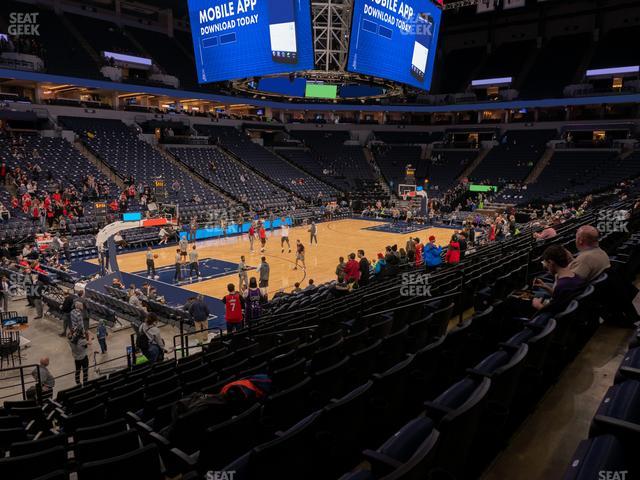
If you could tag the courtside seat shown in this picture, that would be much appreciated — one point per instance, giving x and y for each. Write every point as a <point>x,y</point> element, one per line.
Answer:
<point>604,453</point>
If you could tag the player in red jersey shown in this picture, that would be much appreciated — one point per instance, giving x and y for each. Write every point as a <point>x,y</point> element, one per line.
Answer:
<point>263,237</point>
<point>233,305</point>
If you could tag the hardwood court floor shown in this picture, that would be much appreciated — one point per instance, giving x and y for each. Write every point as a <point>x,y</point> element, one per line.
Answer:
<point>335,239</point>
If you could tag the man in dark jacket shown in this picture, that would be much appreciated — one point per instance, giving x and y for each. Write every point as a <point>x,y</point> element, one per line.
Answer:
<point>200,314</point>
<point>364,268</point>
<point>67,306</point>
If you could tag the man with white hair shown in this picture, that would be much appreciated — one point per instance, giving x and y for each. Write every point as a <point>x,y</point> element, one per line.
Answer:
<point>47,380</point>
<point>591,260</point>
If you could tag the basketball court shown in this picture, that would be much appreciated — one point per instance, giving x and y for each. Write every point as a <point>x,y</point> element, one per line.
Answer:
<point>335,239</point>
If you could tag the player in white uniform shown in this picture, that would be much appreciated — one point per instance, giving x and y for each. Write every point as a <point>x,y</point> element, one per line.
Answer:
<point>285,236</point>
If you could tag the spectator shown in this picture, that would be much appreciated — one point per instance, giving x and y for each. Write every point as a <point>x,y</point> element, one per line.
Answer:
<point>263,272</point>
<point>296,288</point>
<point>66,309</point>
<point>101,334</point>
<point>567,284</point>
<point>352,269</point>
<point>591,260</point>
<point>311,286</point>
<point>155,344</point>
<point>253,300</point>
<point>200,314</point>
<point>340,267</point>
<point>453,252</point>
<point>47,380</point>
<point>365,267</point>
<point>547,232</point>
<point>378,267</point>
<point>432,254</point>
<point>77,317</point>
<point>234,304</point>
<point>5,292</point>
<point>79,343</point>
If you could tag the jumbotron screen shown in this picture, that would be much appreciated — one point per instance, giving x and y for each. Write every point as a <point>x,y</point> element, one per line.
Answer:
<point>243,38</point>
<point>395,39</point>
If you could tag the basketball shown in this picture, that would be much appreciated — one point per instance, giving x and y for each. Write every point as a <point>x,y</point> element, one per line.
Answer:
<point>155,255</point>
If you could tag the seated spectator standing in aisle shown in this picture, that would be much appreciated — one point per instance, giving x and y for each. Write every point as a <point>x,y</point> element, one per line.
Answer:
<point>364,268</point>
<point>233,308</point>
<point>453,252</point>
<point>200,314</point>
<point>567,283</point>
<point>79,343</point>
<point>432,254</point>
<point>352,270</point>
<point>149,340</point>
<point>47,380</point>
<point>253,300</point>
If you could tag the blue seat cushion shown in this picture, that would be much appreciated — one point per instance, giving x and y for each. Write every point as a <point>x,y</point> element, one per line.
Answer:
<point>622,401</point>
<point>491,363</point>
<point>405,442</point>
<point>595,455</point>
<point>520,338</point>
<point>457,394</point>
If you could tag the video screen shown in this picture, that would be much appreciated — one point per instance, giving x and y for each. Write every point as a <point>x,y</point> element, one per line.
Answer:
<point>244,38</point>
<point>395,40</point>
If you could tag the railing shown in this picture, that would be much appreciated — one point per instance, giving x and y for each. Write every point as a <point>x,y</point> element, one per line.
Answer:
<point>23,382</point>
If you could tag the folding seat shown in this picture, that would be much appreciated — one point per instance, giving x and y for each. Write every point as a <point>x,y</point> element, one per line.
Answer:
<point>128,387</point>
<point>331,382</point>
<point>393,348</point>
<point>10,421</point>
<point>152,403</point>
<point>17,449</point>
<point>32,466</point>
<point>289,456</point>
<point>425,376</point>
<point>381,328</point>
<point>87,401</point>
<point>630,366</point>
<point>598,455</point>
<point>408,454</point>
<point>106,446</point>
<point>283,408</point>
<point>440,321</point>
<point>221,444</point>
<point>100,430</point>
<point>290,375</point>
<point>12,435</point>
<point>619,412</point>
<point>327,356</point>
<point>91,416</point>
<point>341,431</point>
<point>363,363</point>
<point>456,414</point>
<point>388,399</point>
<point>194,373</point>
<point>141,463</point>
<point>133,400</point>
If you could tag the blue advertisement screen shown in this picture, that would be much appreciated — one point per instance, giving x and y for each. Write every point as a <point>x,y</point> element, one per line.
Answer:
<point>243,38</point>
<point>395,39</point>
